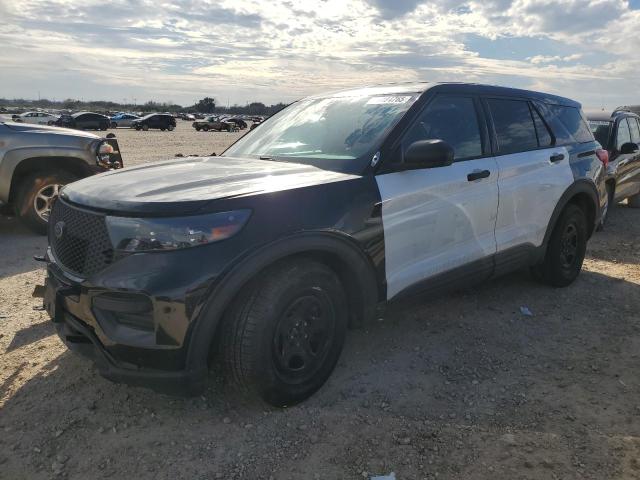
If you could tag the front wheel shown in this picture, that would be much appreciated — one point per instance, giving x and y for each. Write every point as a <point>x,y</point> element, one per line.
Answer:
<point>36,195</point>
<point>205,128</point>
<point>566,249</point>
<point>145,127</point>
<point>283,336</point>
<point>170,128</point>
<point>114,125</point>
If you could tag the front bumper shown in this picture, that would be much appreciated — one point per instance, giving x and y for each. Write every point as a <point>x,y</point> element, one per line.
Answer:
<point>121,355</point>
<point>80,338</point>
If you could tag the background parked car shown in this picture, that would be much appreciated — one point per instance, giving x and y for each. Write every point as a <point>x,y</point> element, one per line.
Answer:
<point>36,161</point>
<point>84,121</point>
<point>619,133</point>
<point>238,122</point>
<point>160,121</point>
<point>213,123</point>
<point>123,120</point>
<point>38,118</point>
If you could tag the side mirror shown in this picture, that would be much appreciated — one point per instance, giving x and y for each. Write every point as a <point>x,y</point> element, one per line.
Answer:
<point>428,154</point>
<point>628,147</point>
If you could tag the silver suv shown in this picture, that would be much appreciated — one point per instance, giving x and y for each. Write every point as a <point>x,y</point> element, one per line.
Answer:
<point>36,161</point>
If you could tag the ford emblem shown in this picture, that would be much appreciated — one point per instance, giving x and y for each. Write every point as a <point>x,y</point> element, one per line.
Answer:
<point>58,230</point>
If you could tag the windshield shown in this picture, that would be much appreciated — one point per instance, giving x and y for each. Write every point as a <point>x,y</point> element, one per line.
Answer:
<point>336,133</point>
<point>600,129</point>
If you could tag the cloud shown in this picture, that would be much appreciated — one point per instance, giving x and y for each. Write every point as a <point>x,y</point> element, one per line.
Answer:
<point>281,49</point>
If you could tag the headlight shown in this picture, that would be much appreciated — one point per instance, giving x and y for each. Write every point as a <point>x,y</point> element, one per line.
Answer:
<point>129,235</point>
<point>104,154</point>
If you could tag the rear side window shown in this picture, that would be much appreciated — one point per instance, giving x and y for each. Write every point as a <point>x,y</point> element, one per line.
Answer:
<point>514,125</point>
<point>635,130</point>
<point>624,135</point>
<point>572,124</point>
<point>452,119</point>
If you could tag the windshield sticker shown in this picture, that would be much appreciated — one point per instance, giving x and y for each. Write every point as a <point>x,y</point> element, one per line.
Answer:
<point>386,100</point>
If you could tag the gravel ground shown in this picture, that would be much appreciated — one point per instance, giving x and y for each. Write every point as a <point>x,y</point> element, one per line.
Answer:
<point>464,386</point>
<point>141,147</point>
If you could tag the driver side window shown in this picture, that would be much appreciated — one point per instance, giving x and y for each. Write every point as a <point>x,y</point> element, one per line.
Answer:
<point>452,119</point>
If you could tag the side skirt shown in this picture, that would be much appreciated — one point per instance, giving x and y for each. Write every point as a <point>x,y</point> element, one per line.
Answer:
<point>476,272</point>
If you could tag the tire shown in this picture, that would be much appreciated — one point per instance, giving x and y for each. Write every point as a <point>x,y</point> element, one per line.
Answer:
<point>27,200</point>
<point>50,122</point>
<point>114,125</point>
<point>269,345</point>
<point>634,201</point>
<point>145,127</point>
<point>197,129</point>
<point>205,128</point>
<point>170,128</point>
<point>566,249</point>
<point>138,127</point>
<point>162,129</point>
<point>104,127</point>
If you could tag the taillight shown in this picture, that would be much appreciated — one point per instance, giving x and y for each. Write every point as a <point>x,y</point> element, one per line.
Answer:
<point>603,156</point>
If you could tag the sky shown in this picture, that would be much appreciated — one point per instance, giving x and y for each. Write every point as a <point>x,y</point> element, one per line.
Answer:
<point>281,50</point>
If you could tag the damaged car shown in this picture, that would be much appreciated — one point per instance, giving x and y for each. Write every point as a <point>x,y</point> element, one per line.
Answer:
<point>264,256</point>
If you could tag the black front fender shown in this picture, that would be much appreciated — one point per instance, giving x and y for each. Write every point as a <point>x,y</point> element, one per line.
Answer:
<point>355,269</point>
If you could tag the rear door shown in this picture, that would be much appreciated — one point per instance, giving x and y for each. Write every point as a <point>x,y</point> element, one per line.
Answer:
<point>438,220</point>
<point>533,174</point>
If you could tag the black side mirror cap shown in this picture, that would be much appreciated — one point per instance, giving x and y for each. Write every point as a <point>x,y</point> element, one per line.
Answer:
<point>428,154</point>
<point>628,147</point>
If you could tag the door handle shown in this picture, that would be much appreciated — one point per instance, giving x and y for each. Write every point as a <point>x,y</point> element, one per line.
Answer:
<point>478,174</point>
<point>556,157</point>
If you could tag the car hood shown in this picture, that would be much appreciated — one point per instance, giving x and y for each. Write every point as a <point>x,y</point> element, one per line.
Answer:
<point>44,129</point>
<point>188,185</point>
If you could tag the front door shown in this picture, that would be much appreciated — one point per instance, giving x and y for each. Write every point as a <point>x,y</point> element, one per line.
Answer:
<point>629,166</point>
<point>439,219</point>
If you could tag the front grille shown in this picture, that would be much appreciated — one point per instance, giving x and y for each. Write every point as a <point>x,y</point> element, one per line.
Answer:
<point>79,239</point>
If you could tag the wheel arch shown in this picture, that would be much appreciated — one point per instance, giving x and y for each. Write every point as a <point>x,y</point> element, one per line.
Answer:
<point>25,167</point>
<point>584,194</point>
<point>336,250</point>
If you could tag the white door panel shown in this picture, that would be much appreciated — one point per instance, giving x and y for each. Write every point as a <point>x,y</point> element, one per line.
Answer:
<point>530,186</point>
<point>435,220</point>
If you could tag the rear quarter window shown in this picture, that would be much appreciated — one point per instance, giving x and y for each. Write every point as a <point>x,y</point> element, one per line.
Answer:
<point>568,124</point>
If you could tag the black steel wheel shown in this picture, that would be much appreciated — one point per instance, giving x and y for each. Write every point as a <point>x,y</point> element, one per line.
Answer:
<point>282,338</point>
<point>565,250</point>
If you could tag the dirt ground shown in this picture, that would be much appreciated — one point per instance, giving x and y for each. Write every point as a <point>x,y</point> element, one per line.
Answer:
<point>464,386</point>
<point>141,147</point>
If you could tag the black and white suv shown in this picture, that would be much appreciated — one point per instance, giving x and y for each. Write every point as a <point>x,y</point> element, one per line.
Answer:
<point>304,226</point>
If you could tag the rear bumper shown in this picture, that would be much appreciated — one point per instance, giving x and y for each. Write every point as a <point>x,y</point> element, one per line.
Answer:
<point>80,338</point>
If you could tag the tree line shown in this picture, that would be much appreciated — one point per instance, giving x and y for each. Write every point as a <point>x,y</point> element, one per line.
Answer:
<point>205,105</point>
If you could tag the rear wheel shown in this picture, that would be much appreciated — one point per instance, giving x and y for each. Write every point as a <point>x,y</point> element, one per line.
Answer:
<point>197,129</point>
<point>283,336</point>
<point>170,128</point>
<point>36,195</point>
<point>566,249</point>
<point>114,125</point>
<point>205,128</point>
<point>145,127</point>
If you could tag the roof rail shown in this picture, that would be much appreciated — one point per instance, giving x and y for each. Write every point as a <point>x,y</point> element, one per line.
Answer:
<point>628,108</point>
